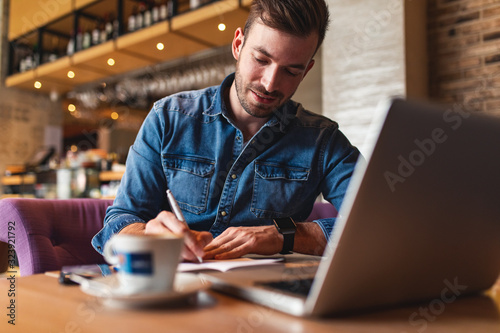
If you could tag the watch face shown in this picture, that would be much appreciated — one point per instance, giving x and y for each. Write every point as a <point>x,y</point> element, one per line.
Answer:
<point>285,223</point>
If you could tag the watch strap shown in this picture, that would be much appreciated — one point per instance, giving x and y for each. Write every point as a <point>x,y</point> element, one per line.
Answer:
<point>288,241</point>
<point>287,227</point>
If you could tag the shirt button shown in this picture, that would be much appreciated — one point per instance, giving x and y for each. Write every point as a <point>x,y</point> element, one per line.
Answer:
<point>223,213</point>
<point>233,176</point>
<point>238,138</point>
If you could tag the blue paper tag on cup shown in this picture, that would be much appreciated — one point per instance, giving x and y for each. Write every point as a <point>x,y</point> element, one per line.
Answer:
<point>136,263</point>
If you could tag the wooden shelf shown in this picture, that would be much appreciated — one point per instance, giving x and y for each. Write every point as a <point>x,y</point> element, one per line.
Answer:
<point>19,180</point>
<point>26,196</point>
<point>183,35</point>
<point>202,24</point>
<point>107,176</point>
<point>28,15</point>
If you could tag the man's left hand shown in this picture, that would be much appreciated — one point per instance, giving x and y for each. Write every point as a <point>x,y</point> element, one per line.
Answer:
<point>235,242</point>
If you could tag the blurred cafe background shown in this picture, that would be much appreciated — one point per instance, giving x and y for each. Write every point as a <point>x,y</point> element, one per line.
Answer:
<point>78,77</point>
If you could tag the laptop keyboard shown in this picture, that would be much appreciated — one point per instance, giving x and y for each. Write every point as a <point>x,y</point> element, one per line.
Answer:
<point>297,286</point>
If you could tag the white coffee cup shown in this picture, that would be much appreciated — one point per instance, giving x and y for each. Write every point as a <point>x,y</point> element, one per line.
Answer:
<point>146,263</point>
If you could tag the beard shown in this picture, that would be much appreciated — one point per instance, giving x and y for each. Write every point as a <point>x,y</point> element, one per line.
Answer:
<point>256,109</point>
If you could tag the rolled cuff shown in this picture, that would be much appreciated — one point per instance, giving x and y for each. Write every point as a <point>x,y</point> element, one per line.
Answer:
<point>113,227</point>
<point>326,226</point>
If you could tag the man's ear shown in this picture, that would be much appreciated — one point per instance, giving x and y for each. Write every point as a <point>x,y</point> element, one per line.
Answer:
<point>237,43</point>
<point>309,66</point>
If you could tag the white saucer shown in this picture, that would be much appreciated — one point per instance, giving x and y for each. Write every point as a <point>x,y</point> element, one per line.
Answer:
<point>108,289</point>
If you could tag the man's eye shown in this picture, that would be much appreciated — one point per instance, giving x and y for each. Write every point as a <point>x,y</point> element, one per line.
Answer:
<point>260,61</point>
<point>292,73</point>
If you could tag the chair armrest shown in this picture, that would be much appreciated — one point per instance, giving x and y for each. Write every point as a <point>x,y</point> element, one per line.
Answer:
<point>322,210</point>
<point>52,233</point>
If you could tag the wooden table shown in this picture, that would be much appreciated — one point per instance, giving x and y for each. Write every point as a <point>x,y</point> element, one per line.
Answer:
<point>43,305</point>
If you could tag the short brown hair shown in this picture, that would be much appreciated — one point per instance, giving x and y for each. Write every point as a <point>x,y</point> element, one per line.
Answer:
<point>296,17</point>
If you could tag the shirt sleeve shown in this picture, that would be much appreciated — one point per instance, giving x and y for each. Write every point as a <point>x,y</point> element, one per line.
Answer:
<point>141,195</point>
<point>340,158</point>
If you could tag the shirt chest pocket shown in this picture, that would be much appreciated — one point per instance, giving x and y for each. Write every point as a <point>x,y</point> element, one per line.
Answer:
<point>277,189</point>
<point>189,180</point>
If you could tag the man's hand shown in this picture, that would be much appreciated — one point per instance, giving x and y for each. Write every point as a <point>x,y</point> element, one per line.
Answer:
<point>235,242</point>
<point>166,222</point>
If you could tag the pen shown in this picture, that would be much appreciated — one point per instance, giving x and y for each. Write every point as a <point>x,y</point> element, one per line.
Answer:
<point>177,211</point>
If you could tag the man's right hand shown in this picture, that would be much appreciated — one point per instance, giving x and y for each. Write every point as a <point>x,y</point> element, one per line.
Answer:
<point>166,222</point>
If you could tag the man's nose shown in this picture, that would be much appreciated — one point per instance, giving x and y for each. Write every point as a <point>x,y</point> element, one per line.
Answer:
<point>270,79</point>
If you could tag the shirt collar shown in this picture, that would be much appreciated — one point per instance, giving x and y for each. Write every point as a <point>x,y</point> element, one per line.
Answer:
<point>218,105</point>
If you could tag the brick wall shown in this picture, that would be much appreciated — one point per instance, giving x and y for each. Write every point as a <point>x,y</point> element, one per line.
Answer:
<point>464,53</point>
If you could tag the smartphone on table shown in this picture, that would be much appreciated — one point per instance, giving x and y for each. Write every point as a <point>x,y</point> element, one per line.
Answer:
<point>74,274</point>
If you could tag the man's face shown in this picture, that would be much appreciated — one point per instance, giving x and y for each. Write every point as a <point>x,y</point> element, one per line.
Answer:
<point>270,66</point>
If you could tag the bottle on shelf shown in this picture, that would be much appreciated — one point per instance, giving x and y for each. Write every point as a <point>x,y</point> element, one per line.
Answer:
<point>79,40</point>
<point>27,63</point>
<point>155,12</point>
<point>22,65</point>
<point>115,31</point>
<point>52,55</point>
<point>87,39</point>
<point>45,57</point>
<point>131,23</point>
<point>193,4</point>
<point>139,17</point>
<point>164,10</point>
<point>171,5</point>
<point>108,27</point>
<point>70,48</point>
<point>36,56</point>
<point>147,17</point>
<point>96,33</point>
<point>103,34</point>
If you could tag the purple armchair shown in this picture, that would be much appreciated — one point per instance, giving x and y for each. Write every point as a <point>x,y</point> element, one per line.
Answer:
<point>322,210</point>
<point>50,234</point>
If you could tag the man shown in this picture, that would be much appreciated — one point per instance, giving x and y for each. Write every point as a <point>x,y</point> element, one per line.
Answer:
<point>241,154</point>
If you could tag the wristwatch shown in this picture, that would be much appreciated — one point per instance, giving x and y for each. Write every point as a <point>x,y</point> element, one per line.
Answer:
<point>287,227</point>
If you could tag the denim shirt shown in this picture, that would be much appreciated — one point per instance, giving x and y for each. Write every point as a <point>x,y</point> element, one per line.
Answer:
<point>188,144</point>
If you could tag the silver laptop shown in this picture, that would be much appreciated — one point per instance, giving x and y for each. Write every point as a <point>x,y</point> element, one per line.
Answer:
<point>421,221</point>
